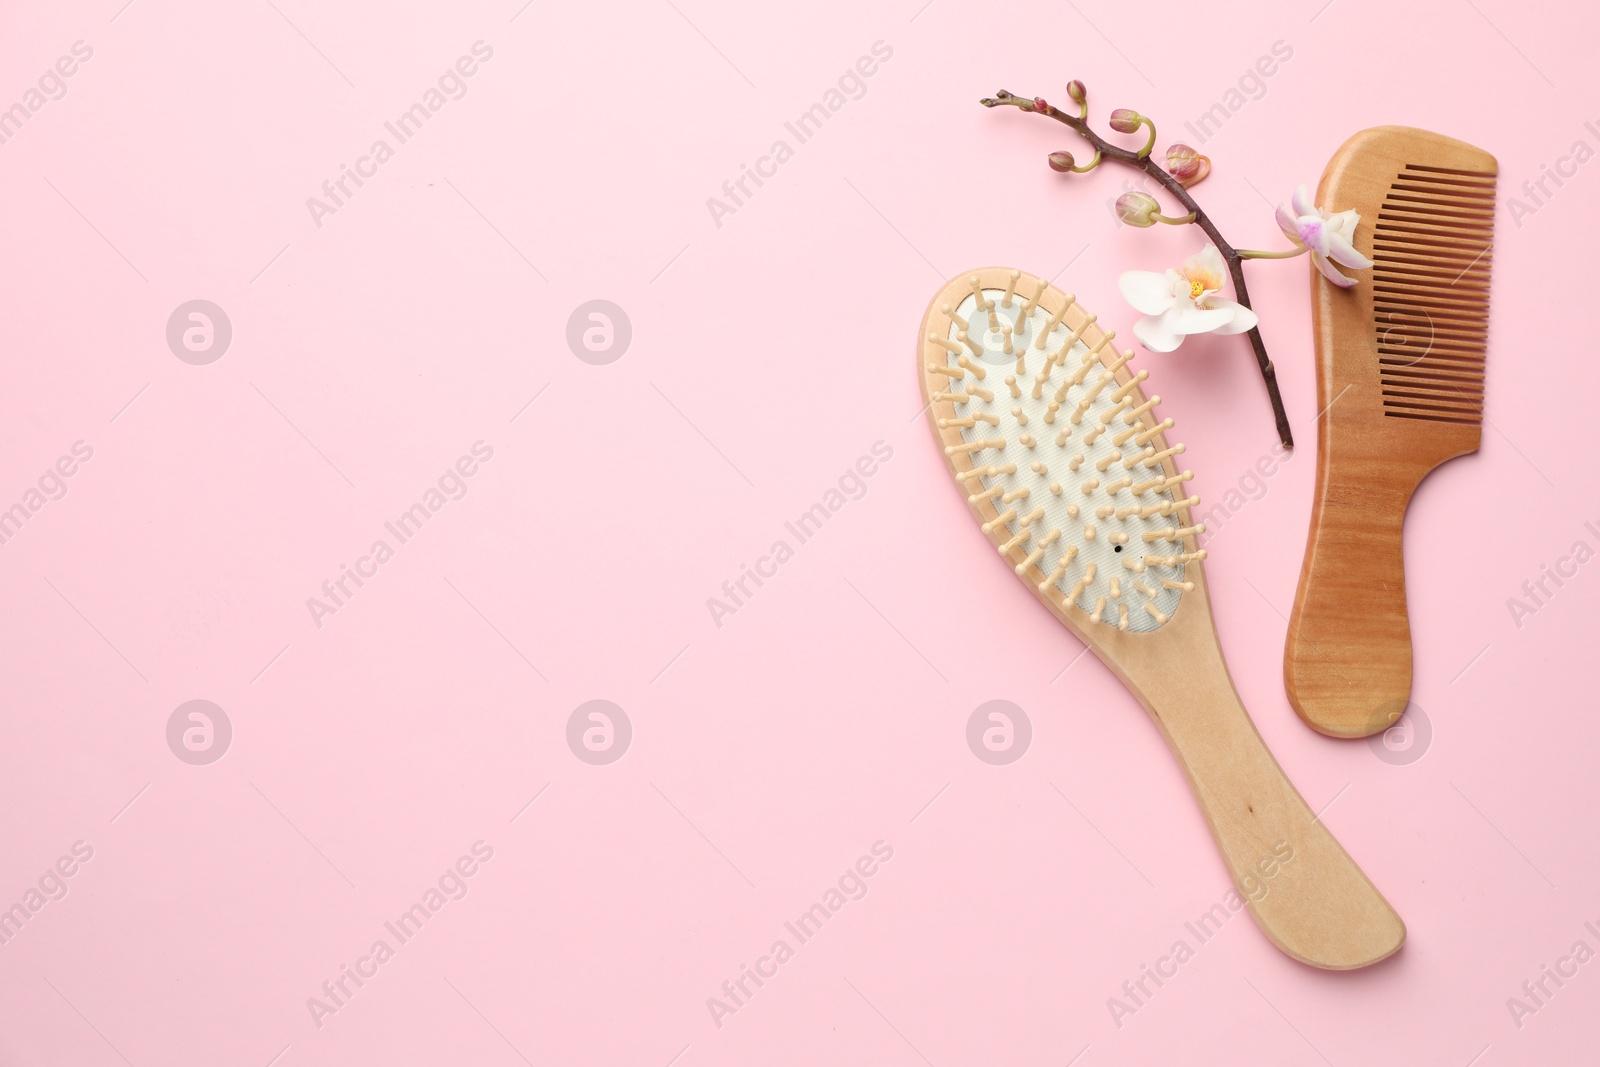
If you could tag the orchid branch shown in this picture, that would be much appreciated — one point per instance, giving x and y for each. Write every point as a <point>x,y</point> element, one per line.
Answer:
<point>1125,121</point>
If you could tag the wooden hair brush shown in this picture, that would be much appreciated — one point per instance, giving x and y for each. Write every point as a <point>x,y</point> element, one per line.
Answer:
<point>1070,476</point>
<point>1400,374</point>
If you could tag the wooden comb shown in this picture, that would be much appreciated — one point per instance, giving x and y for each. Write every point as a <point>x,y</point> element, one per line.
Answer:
<point>1053,445</point>
<point>1400,375</point>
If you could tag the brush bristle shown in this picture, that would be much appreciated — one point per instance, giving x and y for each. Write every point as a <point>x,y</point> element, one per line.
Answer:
<point>1059,453</point>
<point>1430,287</point>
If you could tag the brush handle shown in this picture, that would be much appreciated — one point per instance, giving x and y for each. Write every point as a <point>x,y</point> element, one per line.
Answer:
<point>1301,887</point>
<point>1347,660</point>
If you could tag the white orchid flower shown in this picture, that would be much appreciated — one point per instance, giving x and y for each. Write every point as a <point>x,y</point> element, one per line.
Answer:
<point>1177,303</point>
<point>1329,237</point>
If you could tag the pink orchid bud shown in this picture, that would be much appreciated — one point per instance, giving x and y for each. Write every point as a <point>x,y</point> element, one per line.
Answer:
<point>1138,209</point>
<point>1040,105</point>
<point>1077,92</point>
<point>1062,161</point>
<point>1187,165</point>
<point>1125,120</point>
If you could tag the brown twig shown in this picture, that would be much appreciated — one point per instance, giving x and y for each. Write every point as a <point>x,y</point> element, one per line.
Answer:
<point>1144,162</point>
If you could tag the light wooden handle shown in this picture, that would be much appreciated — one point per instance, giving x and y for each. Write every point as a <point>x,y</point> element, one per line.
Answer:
<point>1347,660</point>
<point>1302,888</point>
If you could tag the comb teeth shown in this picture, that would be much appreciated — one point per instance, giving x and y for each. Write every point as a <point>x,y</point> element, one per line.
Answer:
<point>1430,293</point>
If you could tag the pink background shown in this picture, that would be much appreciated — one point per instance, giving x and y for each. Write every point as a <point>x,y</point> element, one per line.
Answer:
<point>767,355</point>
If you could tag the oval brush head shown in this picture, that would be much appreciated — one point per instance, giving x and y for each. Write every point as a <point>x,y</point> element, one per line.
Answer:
<point>1056,446</point>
